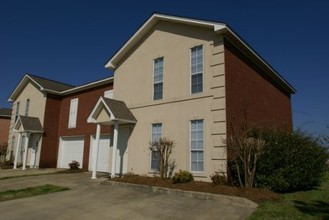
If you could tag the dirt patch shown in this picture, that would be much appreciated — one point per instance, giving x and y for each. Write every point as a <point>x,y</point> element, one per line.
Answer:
<point>255,194</point>
<point>6,166</point>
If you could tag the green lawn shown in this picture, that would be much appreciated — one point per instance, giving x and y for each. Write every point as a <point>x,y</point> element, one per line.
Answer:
<point>313,204</point>
<point>30,191</point>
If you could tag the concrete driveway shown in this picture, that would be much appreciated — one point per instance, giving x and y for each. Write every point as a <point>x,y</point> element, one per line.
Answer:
<point>88,199</point>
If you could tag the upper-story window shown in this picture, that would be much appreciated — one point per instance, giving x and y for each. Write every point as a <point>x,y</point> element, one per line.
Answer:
<point>73,113</point>
<point>156,135</point>
<point>17,111</point>
<point>197,69</point>
<point>158,78</point>
<point>27,107</point>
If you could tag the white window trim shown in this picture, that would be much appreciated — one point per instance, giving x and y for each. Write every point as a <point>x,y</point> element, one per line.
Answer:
<point>153,83</point>
<point>154,170</point>
<point>203,52</point>
<point>190,149</point>
<point>72,123</point>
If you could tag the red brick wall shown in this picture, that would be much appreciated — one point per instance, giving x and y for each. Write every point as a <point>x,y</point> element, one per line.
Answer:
<point>4,129</point>
<point>49,149</point>
<point>56,123</point>
<point>250,92</point>
<point>86,103</point>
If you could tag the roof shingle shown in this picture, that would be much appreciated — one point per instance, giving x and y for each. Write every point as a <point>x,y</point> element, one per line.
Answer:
<point>119,109</point>
<point>31,124</point>
<point>5,112</point>
<point>51,84</point>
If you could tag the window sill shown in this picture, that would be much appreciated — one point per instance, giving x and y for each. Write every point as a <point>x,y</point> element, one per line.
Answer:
<point>199,174</point>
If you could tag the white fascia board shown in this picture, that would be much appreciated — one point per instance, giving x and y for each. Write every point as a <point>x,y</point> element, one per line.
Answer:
<point>51,91</point>
<point>227,29</point>
<point>110,64</point>
<point>90,118</point>
<point>149,24</point>
<point>125,120</point>
<point>20,85</point>
<point>79,88</point>
<point>112,116</point>
<point>17,124</point>
<point>89,85</point>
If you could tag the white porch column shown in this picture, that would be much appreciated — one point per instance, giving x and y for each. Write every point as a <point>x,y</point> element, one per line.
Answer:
<point>17,149</point>
<point>25,150</point>
<point>115,146</point>
<point>95,151</point>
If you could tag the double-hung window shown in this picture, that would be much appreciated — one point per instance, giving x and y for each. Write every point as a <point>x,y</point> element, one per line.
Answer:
<point>158,78</point>
<point>17,111</point>
<point>27,107</point>
<point>73,113</point>
<point>197,147</point>
<point>197,69</point>
<point>156,135</point>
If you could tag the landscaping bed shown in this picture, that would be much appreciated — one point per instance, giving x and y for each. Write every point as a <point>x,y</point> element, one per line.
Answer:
<point>255,194</point>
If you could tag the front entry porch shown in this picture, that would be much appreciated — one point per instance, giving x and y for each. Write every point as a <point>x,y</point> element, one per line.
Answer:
<point>27,151</point>
<point>109,112</point>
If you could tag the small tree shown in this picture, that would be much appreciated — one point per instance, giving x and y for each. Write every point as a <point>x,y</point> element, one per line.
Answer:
<point>164,148</point>
<point>246,148</point>
<point>3,151</point>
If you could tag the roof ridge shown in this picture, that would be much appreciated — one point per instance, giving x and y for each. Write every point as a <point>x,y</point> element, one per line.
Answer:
<point>51,80</point>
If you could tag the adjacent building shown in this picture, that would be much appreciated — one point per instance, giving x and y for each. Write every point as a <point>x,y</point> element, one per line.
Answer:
<point>5,115</point>
<point>49,121</point>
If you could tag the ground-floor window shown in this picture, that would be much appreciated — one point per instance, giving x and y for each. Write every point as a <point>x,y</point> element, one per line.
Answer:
<point>156,135</point>
<point>197,148</point>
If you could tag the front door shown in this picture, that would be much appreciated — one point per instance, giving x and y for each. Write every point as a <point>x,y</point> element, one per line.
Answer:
<point>122,151</point>
<point>34,151</point>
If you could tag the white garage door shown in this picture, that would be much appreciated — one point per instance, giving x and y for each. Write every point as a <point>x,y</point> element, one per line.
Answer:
<point>70,148</point>
<point>103,153</point>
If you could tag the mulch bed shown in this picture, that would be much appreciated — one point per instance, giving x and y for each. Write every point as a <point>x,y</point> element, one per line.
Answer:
<point>255,194</point>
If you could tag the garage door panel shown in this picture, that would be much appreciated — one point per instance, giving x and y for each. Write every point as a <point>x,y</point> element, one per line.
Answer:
<point>70,149</point>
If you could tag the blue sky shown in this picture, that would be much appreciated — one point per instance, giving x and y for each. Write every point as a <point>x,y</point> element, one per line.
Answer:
<point>70,41</point>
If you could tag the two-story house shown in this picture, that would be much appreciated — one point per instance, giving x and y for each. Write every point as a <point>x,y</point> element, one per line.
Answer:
<point>193,81</point>
<point>49,122</point>
<point>189,80</point>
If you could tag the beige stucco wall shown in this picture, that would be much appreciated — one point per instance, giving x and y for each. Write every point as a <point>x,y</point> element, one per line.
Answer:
<point>133,84</point>
<point>36,109</point>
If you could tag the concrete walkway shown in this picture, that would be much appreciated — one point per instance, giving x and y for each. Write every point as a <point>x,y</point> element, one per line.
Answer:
<point>88,199</point>
<point>5,173</point>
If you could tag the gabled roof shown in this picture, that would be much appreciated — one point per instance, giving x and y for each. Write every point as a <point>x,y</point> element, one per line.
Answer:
<point>54,87</point>
<point>217,27</point>
<point>119,109</point>
<point>116,110</point>
<point>50,85</point>
<point>43,84</point>
<point>28,124</point>
<point>5,112</point>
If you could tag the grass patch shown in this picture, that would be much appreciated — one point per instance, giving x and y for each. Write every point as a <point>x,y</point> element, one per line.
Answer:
<point>312,204</point>
<point>30,191</point>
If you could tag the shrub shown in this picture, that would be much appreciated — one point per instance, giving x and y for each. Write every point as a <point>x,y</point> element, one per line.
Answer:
<point>74,165</point>
<point>164,148</point>
<point>291,162</point>
<point>218,179</point>
<point>182,176</point>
